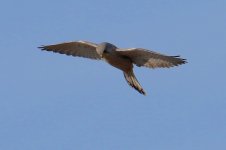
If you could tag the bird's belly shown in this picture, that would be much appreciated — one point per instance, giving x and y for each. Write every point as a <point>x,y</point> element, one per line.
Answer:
<point>121,63</point>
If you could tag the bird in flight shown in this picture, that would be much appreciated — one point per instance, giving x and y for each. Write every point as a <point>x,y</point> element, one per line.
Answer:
<point>121,58</point>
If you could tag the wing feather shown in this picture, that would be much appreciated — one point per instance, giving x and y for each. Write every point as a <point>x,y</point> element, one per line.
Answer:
<point>151,59</point>
<point>77,48</point>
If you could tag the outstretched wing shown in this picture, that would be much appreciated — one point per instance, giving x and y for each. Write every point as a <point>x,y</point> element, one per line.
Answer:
<point>143,57</point>
<point>78,48</point>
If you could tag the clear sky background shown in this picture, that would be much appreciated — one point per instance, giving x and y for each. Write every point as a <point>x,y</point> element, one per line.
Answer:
<point>50,101</point>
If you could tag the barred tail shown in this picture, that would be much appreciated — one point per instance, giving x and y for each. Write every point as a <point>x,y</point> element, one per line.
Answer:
<point>132,81</point>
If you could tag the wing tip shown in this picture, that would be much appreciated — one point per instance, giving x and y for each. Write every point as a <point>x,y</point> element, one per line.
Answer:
<point>180,60</point>
<point>42,47</point>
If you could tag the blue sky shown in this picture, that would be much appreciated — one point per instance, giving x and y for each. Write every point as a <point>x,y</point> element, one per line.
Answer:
<point>54,102</point>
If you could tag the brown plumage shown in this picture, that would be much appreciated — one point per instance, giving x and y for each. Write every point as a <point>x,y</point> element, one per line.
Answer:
<point>122,59</point>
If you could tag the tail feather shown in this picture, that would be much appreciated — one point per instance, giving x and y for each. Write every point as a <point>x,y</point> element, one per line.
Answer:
<point>132,81</point>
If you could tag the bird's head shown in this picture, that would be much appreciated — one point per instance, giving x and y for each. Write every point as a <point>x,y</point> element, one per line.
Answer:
<point>105,48</point>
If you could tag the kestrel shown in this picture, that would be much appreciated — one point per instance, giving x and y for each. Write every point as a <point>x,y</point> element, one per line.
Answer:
<point>122,59</point>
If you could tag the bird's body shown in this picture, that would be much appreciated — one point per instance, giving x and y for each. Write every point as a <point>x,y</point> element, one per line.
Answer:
<point>117,61</point>
<point>122,59</point>
<point>113,58</point>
